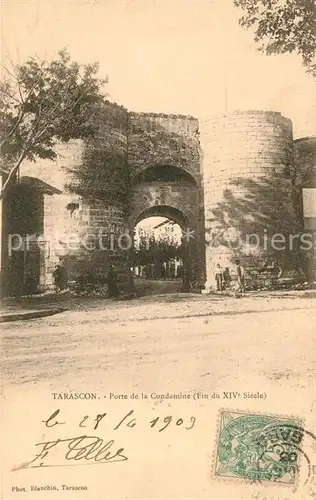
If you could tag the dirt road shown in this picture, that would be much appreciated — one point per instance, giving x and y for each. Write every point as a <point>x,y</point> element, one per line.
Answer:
<point>265,358</point>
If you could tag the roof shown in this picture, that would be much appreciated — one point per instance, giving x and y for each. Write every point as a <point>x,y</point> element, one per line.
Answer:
<point>39,184</point>
<point>306,144</point>
<point>305,139</point>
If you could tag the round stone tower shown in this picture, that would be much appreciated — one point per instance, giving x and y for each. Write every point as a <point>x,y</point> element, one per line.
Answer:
<point>247,165</point>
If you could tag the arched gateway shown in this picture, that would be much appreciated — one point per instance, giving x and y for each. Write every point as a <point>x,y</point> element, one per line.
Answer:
<point>163,166</point>
<point>166,178</point>
<point>171,192</point>
<point>242,185</point>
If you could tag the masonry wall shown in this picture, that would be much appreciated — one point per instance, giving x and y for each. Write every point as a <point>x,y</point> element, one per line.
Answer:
<point>74,226</point>
<point>159,139</point>
<point>57,221</point>
<point>99,223</point>
<point>173,142</point>
<point>182,196</point>
<point>145,140</point>
<point>305,161</point>
<point>247,168</point>
<point>304,176</point>
<point>23,215</point>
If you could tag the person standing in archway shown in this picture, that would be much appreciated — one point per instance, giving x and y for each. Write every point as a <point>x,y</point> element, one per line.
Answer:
<point>226,278</point>
<point>240,278</point>
<point>187,277</point>
<point>60,278</point>
<point>219,278</point>
<point>113,290</point>
<point>57,276</point>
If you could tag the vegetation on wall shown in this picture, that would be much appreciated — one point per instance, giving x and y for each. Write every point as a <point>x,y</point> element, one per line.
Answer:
<point>103,173</point>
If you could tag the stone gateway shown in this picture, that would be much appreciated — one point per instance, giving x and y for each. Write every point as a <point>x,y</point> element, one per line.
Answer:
<point>240,174</point>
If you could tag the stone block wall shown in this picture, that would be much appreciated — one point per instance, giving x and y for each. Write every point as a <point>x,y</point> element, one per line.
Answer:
<point>305,161</point>
<point>74,224</point>
<point>99,222</point>
<point>248,160</point>
<point>171,142</point>
<point>58,224</point>
<point>182,196</point>
<point>159,139</point>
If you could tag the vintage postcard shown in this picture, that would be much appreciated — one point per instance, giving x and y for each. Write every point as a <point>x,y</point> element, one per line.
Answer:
<point>158,218</point>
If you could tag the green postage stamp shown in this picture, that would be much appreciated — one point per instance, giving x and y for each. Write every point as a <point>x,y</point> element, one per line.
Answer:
<point>258,447</point>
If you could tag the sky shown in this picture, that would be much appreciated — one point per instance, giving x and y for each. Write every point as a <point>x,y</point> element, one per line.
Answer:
<point>164,56</point>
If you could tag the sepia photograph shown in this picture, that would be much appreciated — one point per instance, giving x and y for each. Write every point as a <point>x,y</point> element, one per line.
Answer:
<point>158,249</point>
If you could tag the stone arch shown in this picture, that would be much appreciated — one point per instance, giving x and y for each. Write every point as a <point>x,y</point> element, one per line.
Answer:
<point>173,192</point>
<point>167,172</point>
<point>164,185</point>
<point>192,262</point>
<point>175,215</point>
<point>163,211</point>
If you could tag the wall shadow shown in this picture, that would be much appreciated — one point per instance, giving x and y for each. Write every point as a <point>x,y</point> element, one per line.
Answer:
<point>263,207</point>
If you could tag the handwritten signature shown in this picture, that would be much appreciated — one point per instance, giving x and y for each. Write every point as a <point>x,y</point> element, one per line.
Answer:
<point>78,448</point>
<point>91,449</point>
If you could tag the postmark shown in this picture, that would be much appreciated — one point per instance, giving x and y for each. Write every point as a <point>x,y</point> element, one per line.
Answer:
<point>259,447</point>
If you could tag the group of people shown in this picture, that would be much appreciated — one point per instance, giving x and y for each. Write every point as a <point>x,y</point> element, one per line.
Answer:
<point>223,277</point>
<point>171,269</point>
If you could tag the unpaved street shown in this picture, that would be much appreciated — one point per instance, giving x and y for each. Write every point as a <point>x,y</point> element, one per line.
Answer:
<point>62,351</point>
<point>271,353</point>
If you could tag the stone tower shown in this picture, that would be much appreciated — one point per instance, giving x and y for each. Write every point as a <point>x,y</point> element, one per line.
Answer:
<point>247,166</point>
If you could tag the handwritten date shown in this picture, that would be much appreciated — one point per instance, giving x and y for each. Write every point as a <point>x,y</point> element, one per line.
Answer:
<point>129,420</point>
<point>87,449</point>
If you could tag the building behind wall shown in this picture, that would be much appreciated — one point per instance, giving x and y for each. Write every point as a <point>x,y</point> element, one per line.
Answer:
<point>23,249</point>
<point>305,194</point>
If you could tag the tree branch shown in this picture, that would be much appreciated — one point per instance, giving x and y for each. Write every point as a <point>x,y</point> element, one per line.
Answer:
<point>13,129</point>
<point>12,173</point>
<point>34,125</point>
<point>6,91</point>
<point>21,112</point>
